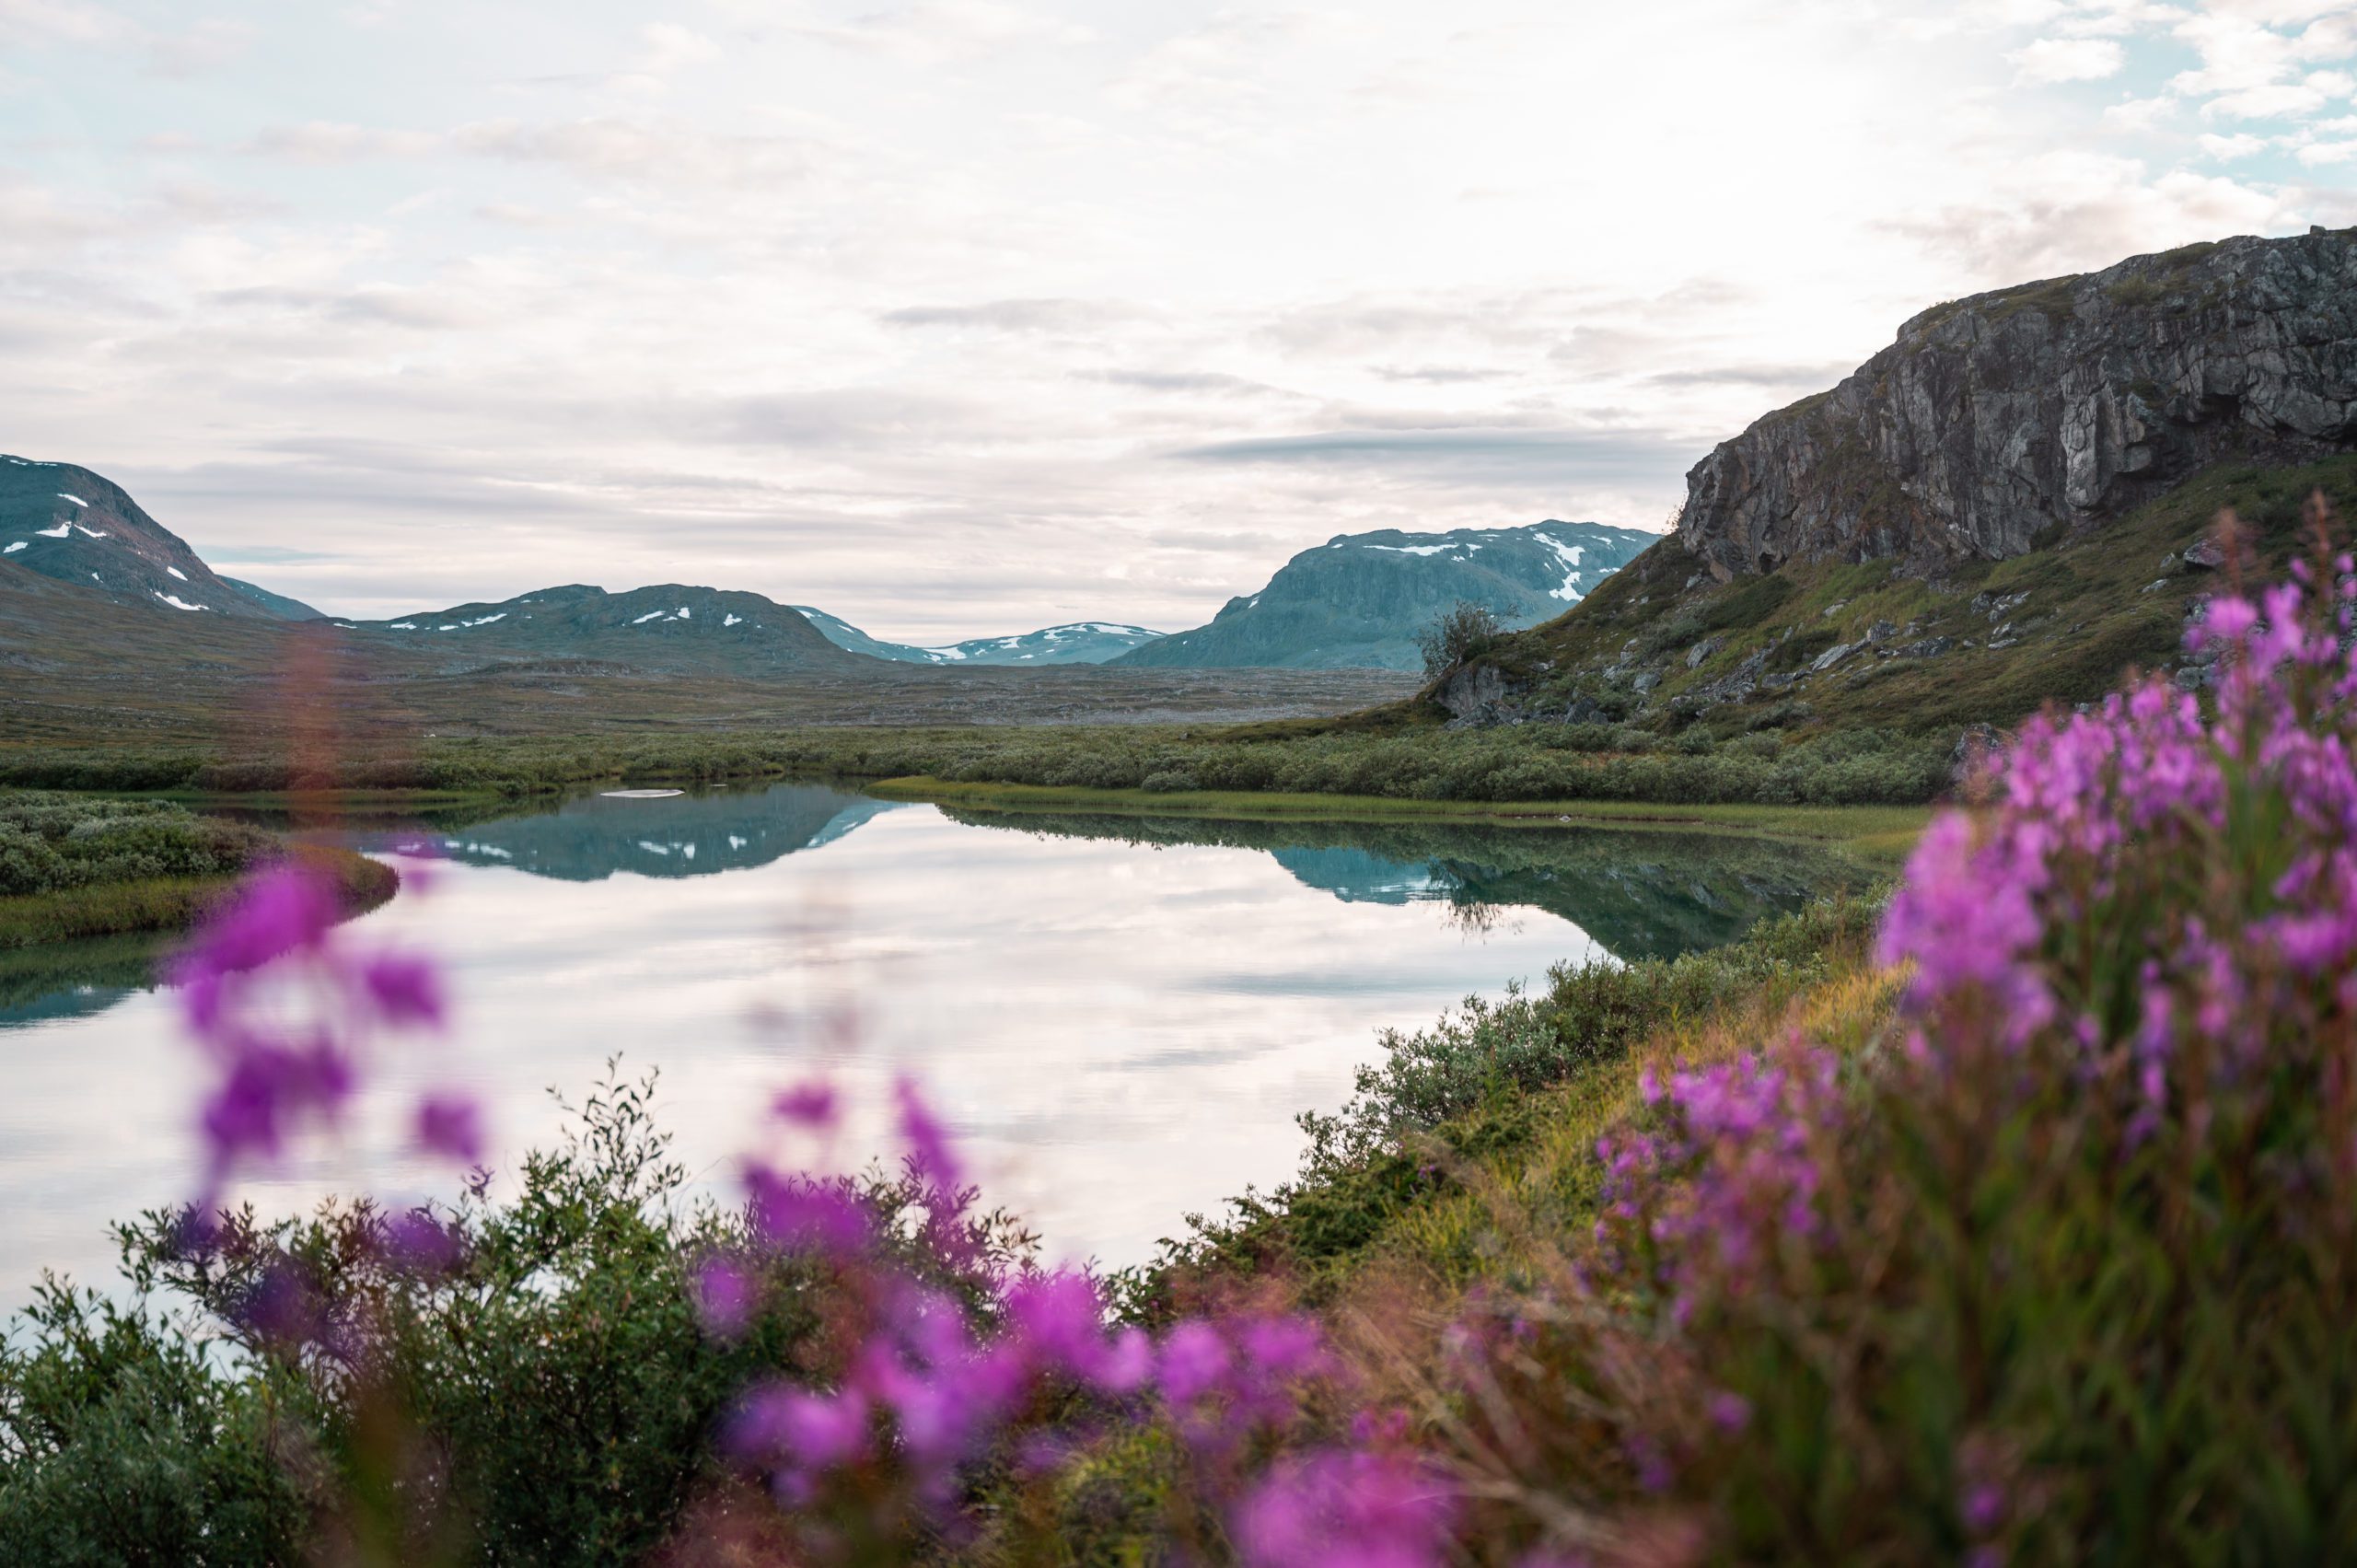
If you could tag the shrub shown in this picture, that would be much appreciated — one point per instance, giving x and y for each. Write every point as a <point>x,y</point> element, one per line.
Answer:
<point>1463,632</point>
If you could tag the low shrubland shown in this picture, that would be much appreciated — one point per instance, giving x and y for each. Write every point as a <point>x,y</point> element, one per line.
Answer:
<point>72,866</point>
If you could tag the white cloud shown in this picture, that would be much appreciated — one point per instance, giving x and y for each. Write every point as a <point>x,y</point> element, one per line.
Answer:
<point>2239,145</point>
<point>2316,154</point>
<point>2068,60</point>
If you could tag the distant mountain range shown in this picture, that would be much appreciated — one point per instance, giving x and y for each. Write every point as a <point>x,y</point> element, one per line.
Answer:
<point>1358,600</point>
<point>1079,642</point>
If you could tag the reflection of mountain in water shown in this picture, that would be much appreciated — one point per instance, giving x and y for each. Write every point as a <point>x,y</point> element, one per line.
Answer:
<point>590,839</point>
<point>1638,894</point>
<point>74,980</point>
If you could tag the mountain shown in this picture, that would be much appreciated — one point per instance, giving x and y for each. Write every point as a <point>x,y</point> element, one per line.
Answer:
<point>1359,600</point>
<point>2050,405</point>
<point>666,627</point>
<point>277,604</point>
<point>67,523</point>
<point>1078,642</point>
<point>2013,504</point>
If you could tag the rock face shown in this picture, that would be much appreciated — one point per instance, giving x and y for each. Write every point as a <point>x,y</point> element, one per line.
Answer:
<point>1359,600</point>
<point>1995,418</point>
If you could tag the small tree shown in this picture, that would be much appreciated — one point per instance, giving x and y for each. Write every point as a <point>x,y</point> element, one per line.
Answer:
<point>1462,631</point>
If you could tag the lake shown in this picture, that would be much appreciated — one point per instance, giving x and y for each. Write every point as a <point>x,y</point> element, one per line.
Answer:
<point>1120,1016</point>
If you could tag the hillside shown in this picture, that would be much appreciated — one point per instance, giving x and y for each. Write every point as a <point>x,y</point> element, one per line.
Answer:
<point>2011,506</point>
<point>1359,600</point>
<point>69,524</point>
<point>1079,642</point>
<point>664,627</point>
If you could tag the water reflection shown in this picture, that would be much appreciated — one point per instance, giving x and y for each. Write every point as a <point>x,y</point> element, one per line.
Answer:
<point>1120,1016</point>
<point>1638,895</point>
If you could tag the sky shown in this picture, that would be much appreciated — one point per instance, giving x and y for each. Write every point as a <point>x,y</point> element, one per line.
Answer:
<point>965,317</point>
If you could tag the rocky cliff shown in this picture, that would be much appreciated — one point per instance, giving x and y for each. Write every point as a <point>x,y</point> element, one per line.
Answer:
<point>2046,408</point>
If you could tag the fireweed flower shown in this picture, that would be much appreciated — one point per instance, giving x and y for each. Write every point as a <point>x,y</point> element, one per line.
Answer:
<point>286,1008</point>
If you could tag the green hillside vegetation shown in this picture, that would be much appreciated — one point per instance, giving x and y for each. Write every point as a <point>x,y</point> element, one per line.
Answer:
<point>1976,642</point>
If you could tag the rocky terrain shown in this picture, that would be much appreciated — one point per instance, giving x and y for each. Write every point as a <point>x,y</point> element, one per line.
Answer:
<point>2011,506</point>
<point>2049,408</point>
<point>1359,600</point>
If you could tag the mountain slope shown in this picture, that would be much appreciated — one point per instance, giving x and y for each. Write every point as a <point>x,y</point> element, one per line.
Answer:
<point>281,606</point>
<point>1079,642</point>
<point>664,627</point>
<point>1359,600</point>
<point>69,524</point>
<point>2012,505</point>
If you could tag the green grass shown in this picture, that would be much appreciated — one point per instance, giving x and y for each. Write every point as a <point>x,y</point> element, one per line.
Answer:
<point>165,903</point>
<point>1881,834</point>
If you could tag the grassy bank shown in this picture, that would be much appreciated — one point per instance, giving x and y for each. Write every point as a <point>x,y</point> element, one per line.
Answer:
<point>1879,834</point>
<point>1469,1148</point>
<point>1405,761</point>
<point>72,867</point>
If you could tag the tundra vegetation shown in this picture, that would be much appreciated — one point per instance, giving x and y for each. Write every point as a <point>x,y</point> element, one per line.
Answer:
<point>2009,1221</point>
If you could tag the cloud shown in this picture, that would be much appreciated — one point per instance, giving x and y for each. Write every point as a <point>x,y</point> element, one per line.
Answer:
<point>2226,148</point>
<point>1014,315</point>
<point>640,150</point>
<point>2068,60</point>
<point>1208,383</point>
<point>334,141</point>
<point>1581,454</point>
<point>1819,374</point>
<point>941,30</point>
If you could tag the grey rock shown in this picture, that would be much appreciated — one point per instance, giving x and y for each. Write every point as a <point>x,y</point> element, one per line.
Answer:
<point>2206,554</point>
<point>1882,632</point>
<point>1834,656</point>
<point>1646,680</point>
<point>1995,418</point>
<point>1704,650</point>
<point>1479,693</point>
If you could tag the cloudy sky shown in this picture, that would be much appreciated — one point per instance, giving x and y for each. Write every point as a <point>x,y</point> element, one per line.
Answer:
<point>970,316</point>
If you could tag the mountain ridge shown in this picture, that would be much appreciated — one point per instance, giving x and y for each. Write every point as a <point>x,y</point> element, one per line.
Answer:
<point>1358,600</point>
<point>1073,641</point>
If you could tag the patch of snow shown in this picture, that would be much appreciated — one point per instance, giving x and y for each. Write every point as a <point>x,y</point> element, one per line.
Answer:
<point>687,851</point>
<point>683,613</point>
<point>487,620</point>
<point>60,531</point>
<point>736,842</point>
<point>1569,554</point>
<point>174,599</point>
<point>177,572</point>
<point>14,547</point>
<point>731,619</point>
<point>342,627</point>
<point>94,533</point>
<point>654,849</point>
<point>452,628</point>
<point>404,625</point>
<point>75,499</point>
<point>645,617</point>
<point>1412,548</point>
<point>473,848</point>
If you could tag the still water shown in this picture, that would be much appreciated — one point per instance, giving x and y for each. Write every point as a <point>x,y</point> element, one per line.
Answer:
<point>1119,1016</point>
